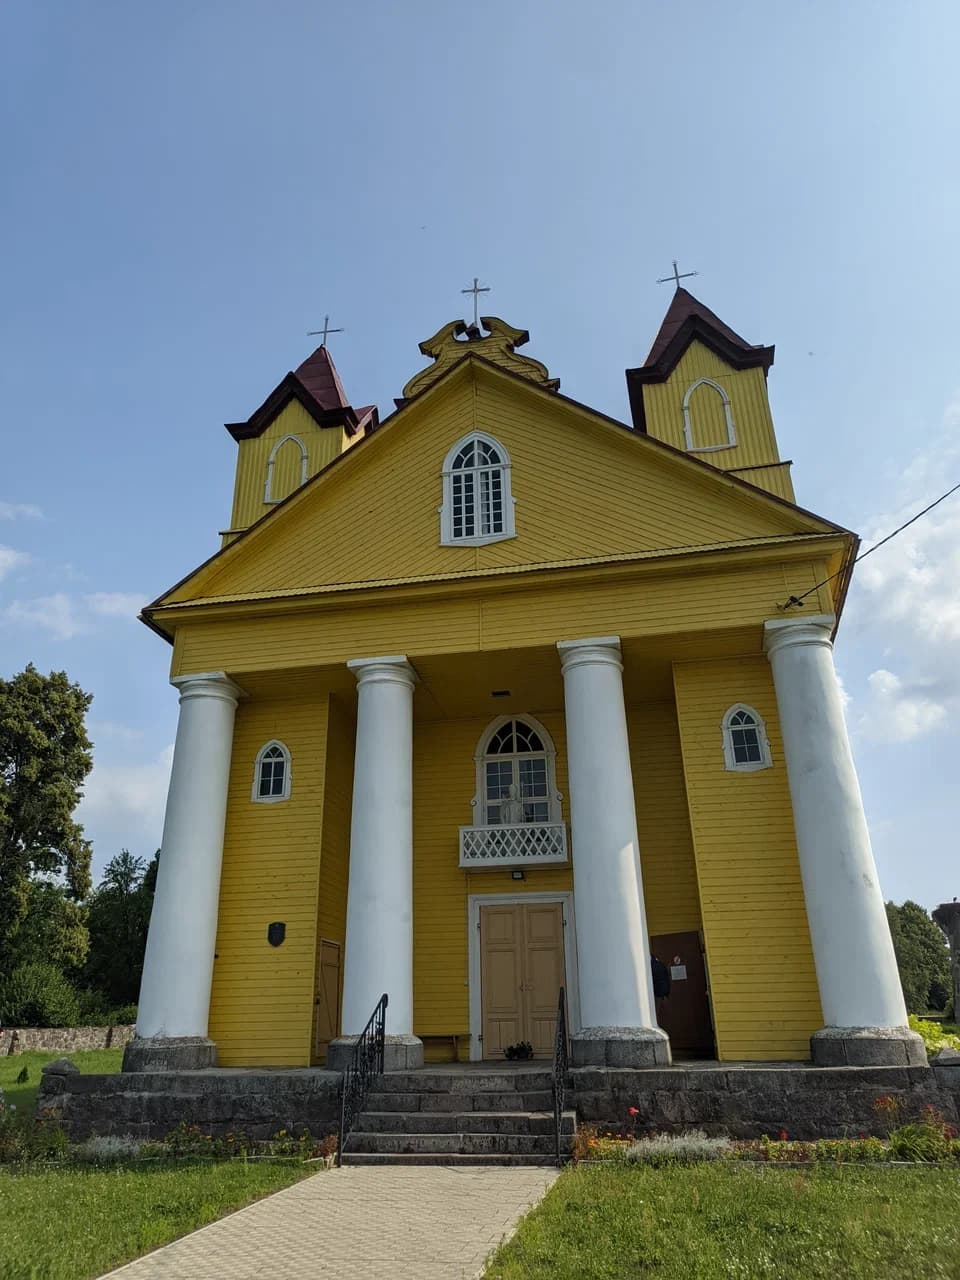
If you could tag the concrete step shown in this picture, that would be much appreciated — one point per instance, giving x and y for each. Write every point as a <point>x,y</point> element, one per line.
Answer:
<point>474,1144</point>
<point>450,1161</point>
<point>381,1100</point>
<point>484,1081</point>
<point>463,1122</point>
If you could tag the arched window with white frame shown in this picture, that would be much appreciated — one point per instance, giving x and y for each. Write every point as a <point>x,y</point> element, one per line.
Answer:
<point>271,773</point>
<point>716,419</point>
<point>287,469</point>
<point>516,774</point>
<point>745,744</point>
<point>477,502</point>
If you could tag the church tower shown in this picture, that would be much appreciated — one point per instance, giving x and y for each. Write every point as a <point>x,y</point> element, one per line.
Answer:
<point>703,389</point>
<point>305,422</point>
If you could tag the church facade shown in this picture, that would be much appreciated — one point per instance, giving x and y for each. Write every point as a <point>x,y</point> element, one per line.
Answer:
<point>500,696</point>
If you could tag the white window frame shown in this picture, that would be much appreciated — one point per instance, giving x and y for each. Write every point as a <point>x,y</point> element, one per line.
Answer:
<point>287,778</point>
<point>727,413</point>
<point>479,801</point>
<point>268,485</point>
<point>729,757</point>
<point>447,538</point>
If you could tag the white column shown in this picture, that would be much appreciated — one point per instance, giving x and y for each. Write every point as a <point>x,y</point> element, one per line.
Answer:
<point>379,943</point>
<point>613,949</point>
<point>178,964</point>
<point>856,967</point>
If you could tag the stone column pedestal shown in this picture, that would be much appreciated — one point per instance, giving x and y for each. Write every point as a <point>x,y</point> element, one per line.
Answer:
<point>619,1027</point>
<point>379,941</point>
<point>860,992</point>
<point>178,963</point>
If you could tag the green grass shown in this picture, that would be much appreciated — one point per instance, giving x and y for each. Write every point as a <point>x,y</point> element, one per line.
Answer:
<point>24,1096</point>
<point>739,1222</point>
<point>69,1224</point>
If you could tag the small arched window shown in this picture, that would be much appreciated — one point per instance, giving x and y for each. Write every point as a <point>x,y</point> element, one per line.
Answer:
<point>287,468</point>
<point>477,503</point>
<point>271,775</point>
<point>745,745</point>
<point>516,775</point>
<point>713,416</point>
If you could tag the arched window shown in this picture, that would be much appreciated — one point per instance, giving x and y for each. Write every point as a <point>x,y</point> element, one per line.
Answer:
<point>745,745</point>
<point>271,774</point>
<point>516,775</point>
<point>286,469</point>
<point>714,417</point>
<point>477,503</point>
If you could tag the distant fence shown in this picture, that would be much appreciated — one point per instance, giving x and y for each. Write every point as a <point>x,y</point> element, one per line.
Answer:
<point>62,1039</point>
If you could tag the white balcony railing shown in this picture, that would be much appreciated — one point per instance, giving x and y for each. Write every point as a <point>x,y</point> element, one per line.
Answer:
<point>522,845</point>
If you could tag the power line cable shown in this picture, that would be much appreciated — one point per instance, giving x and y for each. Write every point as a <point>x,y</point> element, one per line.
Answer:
<point>797,601</point>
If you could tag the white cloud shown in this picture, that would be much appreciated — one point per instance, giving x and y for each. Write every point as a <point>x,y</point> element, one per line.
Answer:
<point>10,560</point>
<point>66,616</point>
<point>19,511</point>
<point>114,731</point>
<point>56,614</point>
<point>116,604</point>
<point>130,798</point>
<point>897,713</point>
<point>905,603</point>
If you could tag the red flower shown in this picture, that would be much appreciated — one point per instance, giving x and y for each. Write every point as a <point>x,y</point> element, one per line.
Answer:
<point>632,1111</point>
<point>783,1135</point>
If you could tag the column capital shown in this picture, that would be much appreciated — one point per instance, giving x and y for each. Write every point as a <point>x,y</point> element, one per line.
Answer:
<point>591,651</point>
<point>394,669</point>
<point>207,684</point>
<point>783,633</point>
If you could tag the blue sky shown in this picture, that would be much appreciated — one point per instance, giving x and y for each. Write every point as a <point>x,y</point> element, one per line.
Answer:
<point>189,188</point>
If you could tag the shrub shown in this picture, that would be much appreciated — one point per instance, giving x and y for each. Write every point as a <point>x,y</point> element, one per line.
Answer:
<point>24,1138</point>
<point>933,1035</point>
<point>691,1147</point>
<point>920,1141</point>
<point>124,1016</point>
<point>39,995</point>
<point>107,1150</point>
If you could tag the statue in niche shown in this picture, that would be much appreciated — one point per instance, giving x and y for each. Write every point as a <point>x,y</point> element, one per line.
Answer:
<point>512,808</point>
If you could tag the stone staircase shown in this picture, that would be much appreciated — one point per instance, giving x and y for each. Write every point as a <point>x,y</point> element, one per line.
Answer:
<point>465,1117</point>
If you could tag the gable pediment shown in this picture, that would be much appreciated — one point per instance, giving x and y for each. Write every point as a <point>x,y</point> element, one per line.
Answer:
<point>586,489</point>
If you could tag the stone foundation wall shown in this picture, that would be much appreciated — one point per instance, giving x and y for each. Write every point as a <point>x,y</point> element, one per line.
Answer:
<point>62,1039</point>
<point>151,1104</point>
<point>807,1102</point>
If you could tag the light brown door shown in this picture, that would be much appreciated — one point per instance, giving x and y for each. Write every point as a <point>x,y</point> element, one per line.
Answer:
<point>327,1020</point>
<point>685,1013</point>
<point>521,973</point>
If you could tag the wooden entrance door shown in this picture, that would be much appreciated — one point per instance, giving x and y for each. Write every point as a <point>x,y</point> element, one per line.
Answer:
<point>521,973</point>
<point>685,1013</point>
<point>327,1020</point>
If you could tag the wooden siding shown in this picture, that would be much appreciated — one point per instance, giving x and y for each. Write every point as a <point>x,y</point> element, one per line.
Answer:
<point>775,479</point>
<point>747,390</point>
<point>539,614</point>
<point>335,840</point>
<point>322,446</point>
<point>261,1010</point>
<point>583,487</point>
<point>760,962</point>
<point>663,822</point>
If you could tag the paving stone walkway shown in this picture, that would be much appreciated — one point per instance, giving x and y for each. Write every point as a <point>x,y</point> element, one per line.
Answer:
<point>412,1223</point>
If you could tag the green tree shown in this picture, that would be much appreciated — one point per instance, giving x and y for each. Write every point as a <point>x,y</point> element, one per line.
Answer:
<point>119,912</point>
<point>922,957</point>
<point>54,929</point>
<point>45,755</point>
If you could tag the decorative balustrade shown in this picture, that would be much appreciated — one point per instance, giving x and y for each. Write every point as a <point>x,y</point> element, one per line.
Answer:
<point>518,845</point>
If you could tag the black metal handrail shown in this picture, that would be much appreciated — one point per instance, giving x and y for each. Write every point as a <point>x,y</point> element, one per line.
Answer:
<point>560,1073</point>
<point>367,1062</point>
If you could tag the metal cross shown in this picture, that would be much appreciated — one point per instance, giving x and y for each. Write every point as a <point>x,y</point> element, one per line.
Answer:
<point>313,333</point>
<point>476,291</point>
<point>677,275</point>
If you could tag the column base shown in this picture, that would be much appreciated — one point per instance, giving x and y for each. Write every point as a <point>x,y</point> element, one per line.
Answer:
<point>620,1047</point>
<point>867,1047</point>
<point>169,1053</point>
<point>400,1053</point>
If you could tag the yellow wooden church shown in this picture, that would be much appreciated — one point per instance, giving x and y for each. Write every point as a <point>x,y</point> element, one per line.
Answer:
<point>500,695</point>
